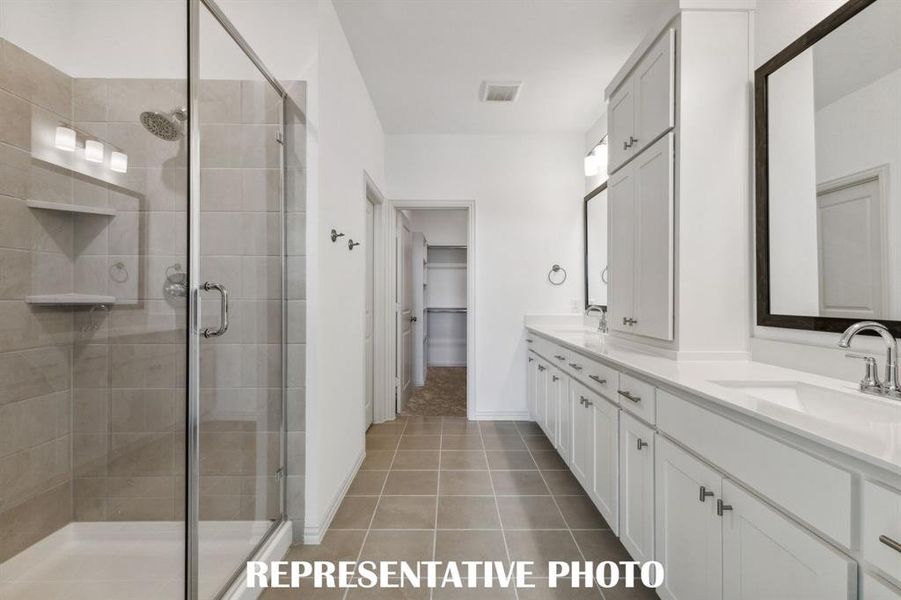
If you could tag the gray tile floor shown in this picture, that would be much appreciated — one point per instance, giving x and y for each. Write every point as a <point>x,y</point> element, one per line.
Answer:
<point>444,488</point>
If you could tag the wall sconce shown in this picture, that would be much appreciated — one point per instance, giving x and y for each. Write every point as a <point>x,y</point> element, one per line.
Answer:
<point>93,151</point>
<point>65,139</point>
<point>591,165</point>
<point>118,162</point>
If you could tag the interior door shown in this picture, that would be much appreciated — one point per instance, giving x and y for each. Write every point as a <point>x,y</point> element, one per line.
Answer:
<point>241,346</point>
<point>621,248</point>
<point>849,251</point>
<point>767,556</point>
<point>688,531</point>
<point>405,317</point>
<point>368,329</point>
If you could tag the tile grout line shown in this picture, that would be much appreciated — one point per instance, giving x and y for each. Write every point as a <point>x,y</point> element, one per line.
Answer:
<point>437,500</point>
<point>497,507</point>
<point>557,504</point>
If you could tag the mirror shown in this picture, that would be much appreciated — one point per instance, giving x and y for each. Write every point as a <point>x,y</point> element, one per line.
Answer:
<point>595,219</point>
<point>828,119</point>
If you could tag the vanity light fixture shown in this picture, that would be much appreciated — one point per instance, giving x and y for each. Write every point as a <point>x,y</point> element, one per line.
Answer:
<point>93,151</point>
<point>65,139</point>
<point>591,165</point>
<point>118,162</point>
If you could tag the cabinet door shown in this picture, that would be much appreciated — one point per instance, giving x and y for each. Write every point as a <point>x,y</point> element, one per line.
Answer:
<point>532,384</point>
<point>653,87</point>
<point>565,421</point>
<point>620,126</point>
<point>767,556</point>
<point>620,248</point>
<point>583,441</point>
<point>554,385</point>
<point>636,487</point>
<point>605,479</point>
<point>653,239</point>
<point>541,379</point>
<point>873,588</point>
<point>687,531</point>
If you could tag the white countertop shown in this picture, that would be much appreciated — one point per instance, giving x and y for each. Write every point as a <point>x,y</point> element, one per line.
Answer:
<point>863,426</point>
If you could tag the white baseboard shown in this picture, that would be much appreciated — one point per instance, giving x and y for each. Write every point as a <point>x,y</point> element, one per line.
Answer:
<point>313,534</point>
<point>274,549</point>
<point>501,415</point>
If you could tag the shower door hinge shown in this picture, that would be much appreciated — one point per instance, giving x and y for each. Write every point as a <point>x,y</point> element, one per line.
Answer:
<point>279,474</point>
<point>279,137</point>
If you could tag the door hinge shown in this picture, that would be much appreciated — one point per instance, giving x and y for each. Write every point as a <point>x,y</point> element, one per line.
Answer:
<point>279,137</point>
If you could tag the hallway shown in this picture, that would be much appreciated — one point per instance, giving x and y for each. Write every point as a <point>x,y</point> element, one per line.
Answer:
<point>443,395</point>
<point>434,488</point>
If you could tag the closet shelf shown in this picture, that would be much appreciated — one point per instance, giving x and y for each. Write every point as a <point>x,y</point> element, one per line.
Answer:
<point>434,265</point>
<point>70,208</point>
<point>69,299</point>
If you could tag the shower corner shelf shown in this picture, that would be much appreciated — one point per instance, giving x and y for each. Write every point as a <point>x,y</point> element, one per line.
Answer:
<point>71,208</point>
<point>69,299</point>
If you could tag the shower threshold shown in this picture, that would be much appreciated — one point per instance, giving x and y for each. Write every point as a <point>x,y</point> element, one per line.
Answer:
<point>138,560</point>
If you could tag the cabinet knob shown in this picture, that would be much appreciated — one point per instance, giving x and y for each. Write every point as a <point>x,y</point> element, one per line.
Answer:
<point>641,443</point>
<point>703,493</point>
<point>721,507</point>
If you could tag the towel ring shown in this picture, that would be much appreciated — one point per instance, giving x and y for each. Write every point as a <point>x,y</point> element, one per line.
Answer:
<point>604,275</point>
<point>560,278</point>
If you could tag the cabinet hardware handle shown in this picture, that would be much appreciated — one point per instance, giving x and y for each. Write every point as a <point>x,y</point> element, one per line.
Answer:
<point>598,379</point>
<point>589,403</point>
<point>641,443</point>
<point>628,396</point>
<point>896,546</point>
<point>632,141</point>
<point>703,493</point>
<point>541,367</point>
<point>625,145</point>
<point>531,359</point>
<point>582,400</point>
<point>559,357</point>
<point>575,366</point>
<point>721,508</point>
<point>211,286</point>
<point>555,378</point>
<point>529,340</point>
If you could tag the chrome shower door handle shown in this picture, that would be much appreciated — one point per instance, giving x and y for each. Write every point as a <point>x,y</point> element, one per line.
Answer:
<point>223,309</point>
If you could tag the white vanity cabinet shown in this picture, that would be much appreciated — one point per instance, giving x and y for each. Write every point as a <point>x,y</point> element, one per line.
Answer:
<point>541,382</point>
<point>643,106</point>
<point>640,248</point>
<point>564,443</point>
<point>604,489</point>
<point>583,433</point>
<point>532,384</point>
<point>556,385</point>
<point>636,487</point>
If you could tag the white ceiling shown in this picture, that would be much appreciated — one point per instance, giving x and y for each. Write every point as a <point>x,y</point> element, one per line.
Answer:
<point>423,60</point>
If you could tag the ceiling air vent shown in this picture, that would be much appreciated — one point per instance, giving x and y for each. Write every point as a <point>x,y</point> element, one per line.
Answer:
<point>500,91</point>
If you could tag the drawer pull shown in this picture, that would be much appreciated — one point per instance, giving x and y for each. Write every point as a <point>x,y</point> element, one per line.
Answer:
<point>703,493</point>
<point>575,366</point>
<point>598,379</point>
<point>896,546</point>
<point>559,357</point>
<point>641,443</point>
<point>629,396</point>
<point>721,507</point>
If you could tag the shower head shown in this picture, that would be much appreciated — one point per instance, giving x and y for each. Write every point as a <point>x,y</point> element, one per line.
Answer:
<point>165,126</point>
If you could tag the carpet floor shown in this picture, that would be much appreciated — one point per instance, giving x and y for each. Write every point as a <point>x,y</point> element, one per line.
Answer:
<point>443,395</point>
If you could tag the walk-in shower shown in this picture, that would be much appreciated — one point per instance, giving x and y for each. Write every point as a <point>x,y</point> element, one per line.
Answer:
<point>140,158</point>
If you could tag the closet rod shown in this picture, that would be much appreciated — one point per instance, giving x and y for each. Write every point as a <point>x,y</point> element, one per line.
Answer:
<point>447,310</point>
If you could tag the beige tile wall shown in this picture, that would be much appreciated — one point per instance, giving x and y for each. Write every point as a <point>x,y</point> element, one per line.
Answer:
<point>36,249</point>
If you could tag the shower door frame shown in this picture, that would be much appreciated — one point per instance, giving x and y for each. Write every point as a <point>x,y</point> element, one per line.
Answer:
<point>192,430</point>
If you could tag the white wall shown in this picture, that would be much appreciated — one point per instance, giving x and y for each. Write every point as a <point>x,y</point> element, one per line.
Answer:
<point>347,138</point>
<point>441,227</point>
<point>527,192</point>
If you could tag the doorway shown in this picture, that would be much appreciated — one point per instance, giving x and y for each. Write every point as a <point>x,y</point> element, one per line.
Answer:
<point>433,310</point>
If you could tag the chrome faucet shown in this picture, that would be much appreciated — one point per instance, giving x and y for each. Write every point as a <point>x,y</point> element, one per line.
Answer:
<point>602,323</point>
<point>870,383</point>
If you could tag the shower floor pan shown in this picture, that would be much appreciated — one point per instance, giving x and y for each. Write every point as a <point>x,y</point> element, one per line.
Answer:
<point>134,560</point>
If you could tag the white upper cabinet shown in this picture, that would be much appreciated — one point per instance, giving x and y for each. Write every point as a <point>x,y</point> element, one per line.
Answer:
<point>765,556</point>
<point>643,107</point>
<point>687,530</point>
<point>640,253</point>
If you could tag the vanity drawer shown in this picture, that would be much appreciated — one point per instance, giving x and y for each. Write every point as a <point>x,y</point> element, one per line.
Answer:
<point>881,527</point>
<point>637,397</point>
<point>874,588</point>
<point>815,491</point>
<point>601,378</point>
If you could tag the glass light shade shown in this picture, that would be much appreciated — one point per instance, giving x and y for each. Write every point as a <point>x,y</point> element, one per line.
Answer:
<point>591,165</point>
<point>65,139</point>
<point>600,155</point>
<point>93,151</point>
<point>118,162</point>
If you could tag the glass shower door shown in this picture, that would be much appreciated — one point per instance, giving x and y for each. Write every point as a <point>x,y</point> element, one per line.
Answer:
<point>240,337</point>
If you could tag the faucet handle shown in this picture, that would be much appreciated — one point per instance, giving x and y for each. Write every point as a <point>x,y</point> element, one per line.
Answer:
<point>871,378</point>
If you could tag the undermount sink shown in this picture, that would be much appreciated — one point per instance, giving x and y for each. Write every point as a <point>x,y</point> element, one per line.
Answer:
<point>837,406</point>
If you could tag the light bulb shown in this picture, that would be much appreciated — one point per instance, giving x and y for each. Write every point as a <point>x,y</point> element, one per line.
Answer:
<point>93,151</point>
<point>65,139</point>
<point>118,162</point>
